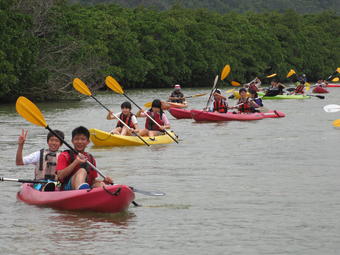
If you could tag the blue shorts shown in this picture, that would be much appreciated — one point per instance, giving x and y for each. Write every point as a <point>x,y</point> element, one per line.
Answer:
<point>68,185</point>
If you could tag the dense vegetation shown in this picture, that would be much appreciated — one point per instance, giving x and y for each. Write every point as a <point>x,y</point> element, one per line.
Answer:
<point>223,6</point>
<point>45,44</point>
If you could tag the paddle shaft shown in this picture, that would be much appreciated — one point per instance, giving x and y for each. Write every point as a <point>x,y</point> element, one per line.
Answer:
<point>212,91</point>
<point>150,117</point>
<point>22,180</point>
<point>121,121</point>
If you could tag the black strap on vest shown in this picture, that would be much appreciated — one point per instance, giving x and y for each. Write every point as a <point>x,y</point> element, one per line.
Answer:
<point>41,160</point>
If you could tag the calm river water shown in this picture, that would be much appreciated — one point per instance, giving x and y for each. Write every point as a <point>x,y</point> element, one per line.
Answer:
<point>263,187</point>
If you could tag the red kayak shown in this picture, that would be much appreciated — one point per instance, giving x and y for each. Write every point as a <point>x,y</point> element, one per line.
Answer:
<point>111,199</point>
<point>180,113</point>
<point>320,90</point>
<point>200,115</point>
<point>333,85</point>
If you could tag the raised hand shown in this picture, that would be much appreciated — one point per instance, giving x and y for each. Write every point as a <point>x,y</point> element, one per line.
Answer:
<point>22,137</point>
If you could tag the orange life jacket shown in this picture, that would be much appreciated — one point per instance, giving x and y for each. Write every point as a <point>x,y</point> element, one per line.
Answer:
<point>220,106</point>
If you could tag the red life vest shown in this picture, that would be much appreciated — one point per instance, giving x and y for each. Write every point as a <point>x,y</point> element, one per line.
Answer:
<point>299,89</point>
<point>150,125</point>
<point>253,87</point>
<point>84,165</point>
<point>126,119</point>
<point>220,106</point>
<point>245,107</point>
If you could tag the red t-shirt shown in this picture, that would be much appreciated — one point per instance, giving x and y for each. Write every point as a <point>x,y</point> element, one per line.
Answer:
<point>64,160</point>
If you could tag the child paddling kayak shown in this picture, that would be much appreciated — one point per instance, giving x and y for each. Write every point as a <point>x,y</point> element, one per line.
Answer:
<point>220,103</point>
<point>129,119</point>
<point>72,170</point>
<point>155,112</point>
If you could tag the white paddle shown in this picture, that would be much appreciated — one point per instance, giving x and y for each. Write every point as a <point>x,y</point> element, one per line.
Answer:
<point>332,108</point>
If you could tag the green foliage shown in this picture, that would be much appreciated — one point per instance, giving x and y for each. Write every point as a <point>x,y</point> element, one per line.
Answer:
<point>45,47</point>
<point>224,6</point>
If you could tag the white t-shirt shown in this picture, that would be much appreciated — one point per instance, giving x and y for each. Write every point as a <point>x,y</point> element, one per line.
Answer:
<point>33,158</point>
<point>133,119</point>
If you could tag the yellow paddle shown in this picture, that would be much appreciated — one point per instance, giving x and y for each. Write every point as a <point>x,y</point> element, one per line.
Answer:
<point>225,72</point>
<point>235,83</point>
<point>290,73</point>
<point>115,86</point>
<point>81,87</point>
<point>271,76</point>
<point>31,113</point>
<point>336,123</point>
<point>335,79</point>
<point>230,90</point>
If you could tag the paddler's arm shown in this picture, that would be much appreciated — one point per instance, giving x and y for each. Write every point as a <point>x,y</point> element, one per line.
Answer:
<point>21,141</point>
<point>140,113</point>
<point>166,122</point>
<point>63,173</point>
<point>110,116</point>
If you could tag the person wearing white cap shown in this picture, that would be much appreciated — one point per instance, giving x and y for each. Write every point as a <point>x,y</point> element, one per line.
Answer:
<point>177,96</point>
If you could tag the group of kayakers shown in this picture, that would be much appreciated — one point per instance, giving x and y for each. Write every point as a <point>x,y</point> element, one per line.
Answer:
<point>72,170</point>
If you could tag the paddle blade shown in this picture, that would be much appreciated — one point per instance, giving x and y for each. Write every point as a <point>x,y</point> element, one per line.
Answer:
<point>336,123</point>
<point>30,111</point>
<point>271,76</point>
<point>338,69</point>
<point>331,108</point>
<point>148,104</point>
<point>290,73</point>
<point>235,83</point>
<point>225,72</point>
<point>114,85</point>
<point>336,79</point>
<point>307,88</point>
<point>199,95</point>
<point>230,91</point>
<point>81,87</point>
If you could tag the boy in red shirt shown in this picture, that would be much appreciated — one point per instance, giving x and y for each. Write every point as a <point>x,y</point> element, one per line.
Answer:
<point>72,170</point>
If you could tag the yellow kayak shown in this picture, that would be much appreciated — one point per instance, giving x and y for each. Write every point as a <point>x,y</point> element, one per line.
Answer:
<point>102,138</point>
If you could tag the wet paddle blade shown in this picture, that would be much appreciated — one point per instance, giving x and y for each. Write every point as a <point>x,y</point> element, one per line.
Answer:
<point>148,104</point>
<point>30,112</point>
<point>81,87</point>
<point>338,69</point>
<point>336,123</point>
<point>148,193</point>
<point>225,72</point>
<point>290,73</point>
<point>235,83</point>
<point>331,108</point>
<point>336,79</point>
<point>198,95</point>
<point>272,75</point>
<point>114,85</point>
<point>230,91</point>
